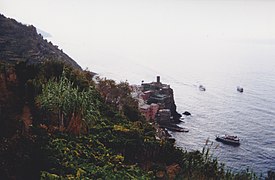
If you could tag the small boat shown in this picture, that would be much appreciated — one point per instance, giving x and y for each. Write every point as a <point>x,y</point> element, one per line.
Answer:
<point>240,89</point>
<point>227,139</point>
<point>179,129</point>
<point>175,128</point>
<point>202,88</point>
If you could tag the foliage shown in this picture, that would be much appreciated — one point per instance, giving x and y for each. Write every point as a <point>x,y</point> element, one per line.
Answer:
<point>119,96</point>
<point>75,108</point>
<point>19,156</point>
<point>270,175</point>
<point>86,158</point>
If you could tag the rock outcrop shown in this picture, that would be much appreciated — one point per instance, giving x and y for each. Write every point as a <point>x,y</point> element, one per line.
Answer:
<point>172,105</point>
<point>186,113</point>
<point>163,95</point>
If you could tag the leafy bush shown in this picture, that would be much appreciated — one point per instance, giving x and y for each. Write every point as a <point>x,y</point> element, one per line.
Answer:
<point>86,158</point>
<point>75,108</point>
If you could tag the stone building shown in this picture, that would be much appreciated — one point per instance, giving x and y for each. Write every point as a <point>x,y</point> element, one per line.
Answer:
<point>149,111</point>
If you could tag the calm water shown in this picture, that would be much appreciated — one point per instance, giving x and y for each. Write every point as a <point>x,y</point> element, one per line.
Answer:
<point>220,44</point>
<point>223,110</point>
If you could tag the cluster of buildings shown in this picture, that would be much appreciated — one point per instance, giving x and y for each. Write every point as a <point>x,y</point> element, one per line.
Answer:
<point>154,101</point>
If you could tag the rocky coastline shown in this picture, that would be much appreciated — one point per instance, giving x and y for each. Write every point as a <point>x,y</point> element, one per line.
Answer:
<point>157,104</point>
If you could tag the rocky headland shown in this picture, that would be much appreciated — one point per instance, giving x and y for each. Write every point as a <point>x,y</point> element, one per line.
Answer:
<point>157,104</point>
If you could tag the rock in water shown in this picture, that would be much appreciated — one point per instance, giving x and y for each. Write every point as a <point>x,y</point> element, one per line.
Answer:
<point>186,113</point>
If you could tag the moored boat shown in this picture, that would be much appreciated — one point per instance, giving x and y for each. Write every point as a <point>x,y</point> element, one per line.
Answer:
<point>173,127</point>
<point>202,88</point>
<point>227,139</point>
<point>240,89</point>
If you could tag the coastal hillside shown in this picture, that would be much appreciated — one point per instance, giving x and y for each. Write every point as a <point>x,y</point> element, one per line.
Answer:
<point>19,43</point>
<point>57,122</point>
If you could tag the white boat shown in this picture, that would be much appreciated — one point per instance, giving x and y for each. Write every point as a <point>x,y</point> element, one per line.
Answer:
<point>202,88</point>
<point>227,139</point>
<point>240,89</point>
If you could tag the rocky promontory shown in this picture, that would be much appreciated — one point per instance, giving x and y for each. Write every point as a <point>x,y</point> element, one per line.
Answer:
<point>157,104</point>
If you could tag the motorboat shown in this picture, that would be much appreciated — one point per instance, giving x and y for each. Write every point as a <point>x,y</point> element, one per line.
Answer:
<point>228,139</point>
<point>240,89</point>
<point>202,88</point>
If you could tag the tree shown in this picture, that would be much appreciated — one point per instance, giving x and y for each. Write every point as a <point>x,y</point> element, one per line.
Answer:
<point>119,95</point>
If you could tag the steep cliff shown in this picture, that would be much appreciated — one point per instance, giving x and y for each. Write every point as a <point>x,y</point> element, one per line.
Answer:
<point>163,95</point>
<point>172,105</point>
<point>19,43</point>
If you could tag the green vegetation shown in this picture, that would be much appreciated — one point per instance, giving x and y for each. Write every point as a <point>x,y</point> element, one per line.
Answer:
<point>76,109</point>
<point>87,130</point>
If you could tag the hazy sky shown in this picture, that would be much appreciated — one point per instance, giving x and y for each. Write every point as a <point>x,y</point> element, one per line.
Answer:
<point>150,31</point>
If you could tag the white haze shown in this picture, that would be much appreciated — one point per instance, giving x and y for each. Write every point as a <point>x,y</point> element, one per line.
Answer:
<point>202,36</point>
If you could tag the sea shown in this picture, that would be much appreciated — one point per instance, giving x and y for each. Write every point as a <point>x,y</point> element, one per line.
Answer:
<point>217,44</point>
